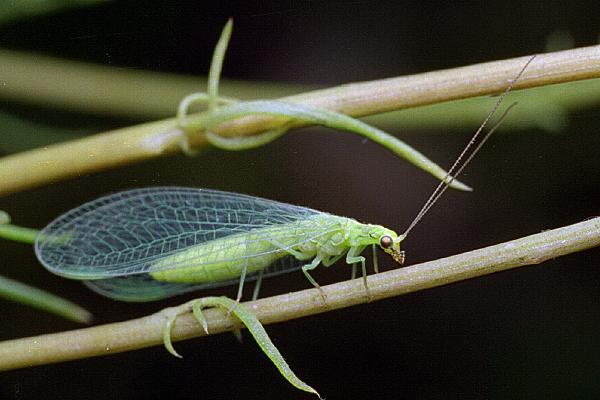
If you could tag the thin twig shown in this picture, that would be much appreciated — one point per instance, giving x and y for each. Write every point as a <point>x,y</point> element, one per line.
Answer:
<point>21,293</point>
<point>147,331</point>
<point>37,167</point>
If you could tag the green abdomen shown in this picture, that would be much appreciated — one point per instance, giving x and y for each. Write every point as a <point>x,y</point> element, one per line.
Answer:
<point>217,260</point>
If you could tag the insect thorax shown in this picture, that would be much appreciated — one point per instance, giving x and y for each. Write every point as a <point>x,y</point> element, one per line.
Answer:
<point>344,233</point>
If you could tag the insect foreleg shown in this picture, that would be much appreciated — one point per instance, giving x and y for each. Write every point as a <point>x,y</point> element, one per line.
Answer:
<point>327,262</point>
<point>354,256</point>
<point>375,264</point>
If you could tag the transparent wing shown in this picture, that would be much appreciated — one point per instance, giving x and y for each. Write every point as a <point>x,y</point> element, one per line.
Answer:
<point>128,232</point>
<point>142,287</point>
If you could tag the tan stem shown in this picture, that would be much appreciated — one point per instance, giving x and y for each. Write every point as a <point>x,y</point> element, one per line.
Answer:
<point>123,146</point>
<point>147,331</point>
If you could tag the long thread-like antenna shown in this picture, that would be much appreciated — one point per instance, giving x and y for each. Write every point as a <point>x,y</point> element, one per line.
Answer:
<point>457,167</point>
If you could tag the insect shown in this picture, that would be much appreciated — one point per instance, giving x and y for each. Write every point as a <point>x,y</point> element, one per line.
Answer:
<point>147,244</point>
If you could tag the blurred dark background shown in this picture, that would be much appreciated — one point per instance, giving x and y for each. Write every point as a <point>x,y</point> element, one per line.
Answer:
<point>527,333</point>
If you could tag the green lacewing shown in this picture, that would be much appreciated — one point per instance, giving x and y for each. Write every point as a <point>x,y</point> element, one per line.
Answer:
<point>152,243</point>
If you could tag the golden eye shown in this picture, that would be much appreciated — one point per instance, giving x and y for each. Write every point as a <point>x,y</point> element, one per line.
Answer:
<point>386,242</point>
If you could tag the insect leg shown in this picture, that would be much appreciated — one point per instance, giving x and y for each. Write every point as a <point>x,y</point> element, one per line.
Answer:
<point>375,264</point>
<point>354,256</point>
<point>236,332</point>
<point>295,253</point>
<point>333,259</point>
<point>328,262</point>
<point>299,255</point>
<point>305,268</point>
<point>242,279</point>
<point>257,284</point>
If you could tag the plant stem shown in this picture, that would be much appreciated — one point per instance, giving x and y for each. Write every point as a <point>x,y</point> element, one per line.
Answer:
<point>18,233</point>
<point>98,89</point>
<point>114,148</point>
<point>21,293</point>
<point>147,331</point>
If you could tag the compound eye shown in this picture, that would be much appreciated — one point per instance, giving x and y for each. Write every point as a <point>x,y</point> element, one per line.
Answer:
<point>386,242</point>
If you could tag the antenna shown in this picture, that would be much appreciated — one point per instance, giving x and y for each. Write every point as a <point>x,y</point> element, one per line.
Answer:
<point>457,167</point>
